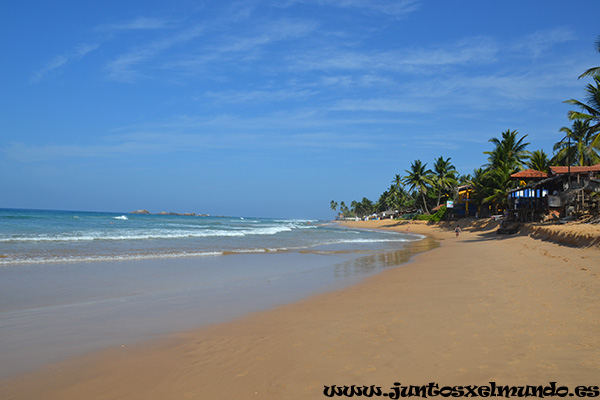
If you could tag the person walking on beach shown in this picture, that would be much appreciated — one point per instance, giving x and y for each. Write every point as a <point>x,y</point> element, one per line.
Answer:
<point>457,230</point>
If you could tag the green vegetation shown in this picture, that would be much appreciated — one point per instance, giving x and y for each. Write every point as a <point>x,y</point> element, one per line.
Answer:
<point>413,195</point>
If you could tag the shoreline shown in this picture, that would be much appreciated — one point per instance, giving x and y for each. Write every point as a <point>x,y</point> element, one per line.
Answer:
<point>481,307</point>
<point>53,312</point>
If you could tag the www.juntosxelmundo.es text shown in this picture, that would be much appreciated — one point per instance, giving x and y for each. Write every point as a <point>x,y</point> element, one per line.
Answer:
<point>434,390</point>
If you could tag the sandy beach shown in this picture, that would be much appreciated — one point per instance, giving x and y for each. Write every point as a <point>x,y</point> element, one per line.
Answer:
<point>516,310</point>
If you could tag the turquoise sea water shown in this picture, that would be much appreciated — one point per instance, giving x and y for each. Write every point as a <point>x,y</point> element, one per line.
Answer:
<point>73,282</point>
<point>35,236</point>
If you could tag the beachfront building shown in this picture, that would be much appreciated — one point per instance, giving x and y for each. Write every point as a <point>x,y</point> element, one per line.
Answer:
<point>562,192</point>
<point>388,214</point>
<point>464,204</point>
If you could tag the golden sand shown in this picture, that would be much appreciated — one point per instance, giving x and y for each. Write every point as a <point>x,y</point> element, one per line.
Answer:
<point>481,307</point>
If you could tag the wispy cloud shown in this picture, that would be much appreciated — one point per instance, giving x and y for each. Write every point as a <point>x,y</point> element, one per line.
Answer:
<point>395,8</point>
<point>294,130</point>
<point>390,7</point>
<point>473,50</point>
<point>128,66</point>
<point>260,96</point>
<point>124,67</point>
<point>249,48</point>
<point>60,61</point>
<point>384,105</point>
<point>540,42</point>
<point>139,23</point>
<point>467,51</point>
<point>275,31</point>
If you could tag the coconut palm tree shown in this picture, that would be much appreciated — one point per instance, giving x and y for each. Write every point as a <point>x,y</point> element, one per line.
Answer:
<point>481,186</point>
<point>509,150</point>
<point>383,204</point>
<point>538,160</point>
<point>464,179</point>
<point>362,208</point>
<point>398,193</point>
<point>397,182</point>
<point>333,205</point>
<point>507,158</point>
<point>419,178</point>
<point>498,179</point>
<point>590,111</point>
<point>582,149</point>
<point>444,176</point>
<point>399,198</point>
<point>344,209</point>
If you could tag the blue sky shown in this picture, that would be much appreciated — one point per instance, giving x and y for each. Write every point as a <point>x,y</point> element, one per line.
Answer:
<point>276,108</point>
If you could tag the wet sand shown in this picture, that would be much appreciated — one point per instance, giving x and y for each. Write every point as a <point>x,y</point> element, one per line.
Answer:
<point>481,307</point>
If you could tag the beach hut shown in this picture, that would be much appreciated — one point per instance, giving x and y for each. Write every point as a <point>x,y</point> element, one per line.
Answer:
<point>388,214</point>
<point>562,192</point>
<point>464,204</point>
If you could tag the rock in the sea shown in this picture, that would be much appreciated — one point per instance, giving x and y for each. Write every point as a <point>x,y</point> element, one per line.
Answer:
<point>140,212</point>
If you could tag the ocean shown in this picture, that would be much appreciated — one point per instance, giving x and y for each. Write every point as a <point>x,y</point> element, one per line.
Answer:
<point>73,282</point>
<point>42,236</point>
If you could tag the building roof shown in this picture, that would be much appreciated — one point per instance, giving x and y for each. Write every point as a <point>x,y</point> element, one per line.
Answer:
<point>540,183</point>
<point>529,174</point>
<point>575,170</point>
<point>437,207</point>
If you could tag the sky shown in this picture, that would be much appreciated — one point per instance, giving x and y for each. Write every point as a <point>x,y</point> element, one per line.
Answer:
<point>272,108</point>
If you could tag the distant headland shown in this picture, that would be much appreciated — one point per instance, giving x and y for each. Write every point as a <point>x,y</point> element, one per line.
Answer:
<point>188,214</point>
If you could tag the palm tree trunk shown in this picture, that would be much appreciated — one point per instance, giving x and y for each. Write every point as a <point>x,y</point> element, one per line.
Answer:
<point>424,202</point>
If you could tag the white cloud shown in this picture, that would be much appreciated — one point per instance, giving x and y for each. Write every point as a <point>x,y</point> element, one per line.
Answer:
<point>394,8</point>
<point>290,130</point>
<point>139,23</point>
<point>474,50</point>
<point>124,68</point>
<point>259,96</point>
<point>390,7</point>
<point>540,42</point>
<point>60,61</point>
<point>471,51</point>
<point>384,105</point>
<point>128,66</point>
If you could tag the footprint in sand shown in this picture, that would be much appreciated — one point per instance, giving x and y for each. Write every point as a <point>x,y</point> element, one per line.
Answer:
<point>550,366</point>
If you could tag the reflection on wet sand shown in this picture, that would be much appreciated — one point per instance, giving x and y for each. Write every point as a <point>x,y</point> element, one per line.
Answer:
<point>375,260</point>
<point>378,261</point>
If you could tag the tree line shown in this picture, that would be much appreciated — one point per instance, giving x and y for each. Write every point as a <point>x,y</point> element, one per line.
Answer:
<point>421,189</point>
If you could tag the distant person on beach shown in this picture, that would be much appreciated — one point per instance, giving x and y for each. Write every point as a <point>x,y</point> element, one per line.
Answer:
<point>457,230</point>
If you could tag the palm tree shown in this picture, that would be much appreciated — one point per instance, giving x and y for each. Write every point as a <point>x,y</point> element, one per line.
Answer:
<point>419,178</point>
<point>481,186</point>
<point>464,179</point>
<point>362,208</point>
<point>397,182</point>
<point>384,202</point>
<point>344,209</point>
<point>391,201</point>
<point>595,70</point>
<point>334,205</point>
<point>579,145</point>
<point>499,181</point>
<point>509,150</point>
<point>590,111</point>
<point>538,160</point>
<point>444,176</point>
<point>397,192</point>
